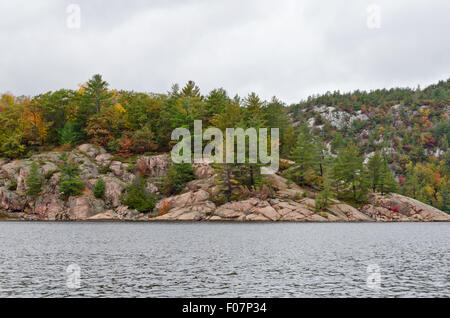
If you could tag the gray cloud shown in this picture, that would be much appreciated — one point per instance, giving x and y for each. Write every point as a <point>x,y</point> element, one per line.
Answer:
<point>286,48</point>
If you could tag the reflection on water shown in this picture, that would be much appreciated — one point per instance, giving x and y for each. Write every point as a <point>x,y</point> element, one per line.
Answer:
<point>224,260</point>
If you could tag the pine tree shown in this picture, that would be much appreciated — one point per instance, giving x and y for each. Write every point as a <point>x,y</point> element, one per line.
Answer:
<point>99,188</point>
<point>322,200</point>
<point>387,181</point>
<point>137,197</point>
<point>349,174</point>
<point>374,167</point>
<point>70,184</point>
<point>96,93</point>
<point>68,134</point>
<point>34,180</point>
<point>303,155</point>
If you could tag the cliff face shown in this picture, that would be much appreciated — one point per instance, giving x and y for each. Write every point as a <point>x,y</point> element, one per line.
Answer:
<point>195,204</point>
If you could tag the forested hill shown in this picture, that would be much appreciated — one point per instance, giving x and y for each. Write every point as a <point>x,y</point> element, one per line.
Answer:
<point>410,126</point>
<point>340,145</point>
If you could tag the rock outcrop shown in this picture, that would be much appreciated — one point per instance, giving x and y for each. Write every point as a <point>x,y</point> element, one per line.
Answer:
<point>153,166</point>
<point>286,203</point>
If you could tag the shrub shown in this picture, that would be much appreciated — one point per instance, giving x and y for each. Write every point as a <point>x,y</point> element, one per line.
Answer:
<point>321,202</point>
<point>166,205</point>
<point>104,169</point>
<point>34,180</point>
<point>99,189</point>
<point>12,186</point>
<point>143,141</point>
<point>12,147</point>
<point>137,197</point>
<point>70,184</point>
<point>50,173</point>
<point>176,178</point>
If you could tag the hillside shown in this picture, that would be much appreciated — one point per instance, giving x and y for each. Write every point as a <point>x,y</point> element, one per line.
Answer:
<point>410,126</point>
<point>198,200</point>
<point>341,147</point>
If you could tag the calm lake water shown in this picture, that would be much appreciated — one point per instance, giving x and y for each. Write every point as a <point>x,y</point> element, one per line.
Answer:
<point>224,260</point>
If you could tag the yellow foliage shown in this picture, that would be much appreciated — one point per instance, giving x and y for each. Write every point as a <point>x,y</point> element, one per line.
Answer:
<point>119,108</point>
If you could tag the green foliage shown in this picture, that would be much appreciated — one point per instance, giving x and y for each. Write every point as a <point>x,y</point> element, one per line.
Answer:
<point>137,197</point>
<point>34,180</point>
<point>143,141</point>
<point>99,188</point>
<point>374,167</point>
<point>104,169</point>
<point>69,134</point>
<point>12,186</point>
<point>70,183</point>
<point>349,175</point>
<point>12,147</point>
<point>411,123</point>
<point>176,178</point>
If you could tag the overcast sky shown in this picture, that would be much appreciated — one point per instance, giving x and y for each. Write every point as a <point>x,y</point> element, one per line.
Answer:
<point>290,49</point>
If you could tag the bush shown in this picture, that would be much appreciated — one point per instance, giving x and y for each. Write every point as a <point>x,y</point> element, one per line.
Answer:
<point>176,178</point>
<point>104,169</point>
<point>99,189</point>
<point>70,184</point>
<point>143,141</point>
<point>12,147</point>
<point>137,197</point>
<point>12,186</point>
<point>34,180</point>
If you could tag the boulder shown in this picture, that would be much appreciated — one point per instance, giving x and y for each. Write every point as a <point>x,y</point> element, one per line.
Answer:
<point>196,212</point>
<point>151,187</point>
<point>237,209</point>
<point>103,159</point>
<point>113,191</point>
<point>268,212</point>
<point>154,166</point>
<point>11,201</point>
<point>49,207</point>
<point>104,216</point>
<point>257,217</point>
<point>90,150</point>
<point>396,204</point>
<point>203,170</point>
<point>348,213</point>
<point>185,199</point>
<point>22,179</point>
<point>82,208</point>
<point>119,169</point>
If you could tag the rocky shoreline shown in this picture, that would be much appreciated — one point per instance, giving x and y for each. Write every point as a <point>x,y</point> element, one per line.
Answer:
<point>289,202</point>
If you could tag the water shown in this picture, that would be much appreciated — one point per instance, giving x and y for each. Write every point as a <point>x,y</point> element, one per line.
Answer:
<point>224,260</point>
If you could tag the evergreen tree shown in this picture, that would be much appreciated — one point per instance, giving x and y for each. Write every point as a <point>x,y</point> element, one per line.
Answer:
<point>387,183</point>
<point>68,134</point>
<point>176,178</point>
<point>96,94</point>
<point>34,180</point>
<point>303,155</point>
<point>349,175</point>
<point>338,142</point>
<point>322,200</point>
<point>99,188</point>
<point>137,197</point>
<point>374,168</point>
<point>70,183</point>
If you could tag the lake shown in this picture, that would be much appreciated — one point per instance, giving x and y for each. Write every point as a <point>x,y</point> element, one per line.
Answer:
<point>224,259</point>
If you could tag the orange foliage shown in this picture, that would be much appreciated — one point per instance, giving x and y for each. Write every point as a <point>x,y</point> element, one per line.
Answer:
<point>125,147</point>
<point>166,205</point>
